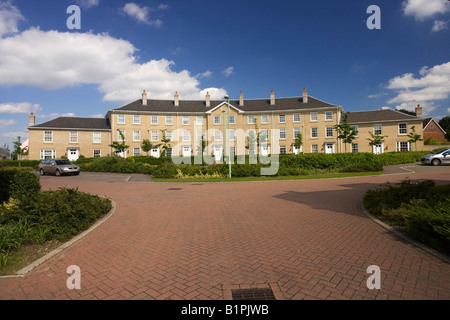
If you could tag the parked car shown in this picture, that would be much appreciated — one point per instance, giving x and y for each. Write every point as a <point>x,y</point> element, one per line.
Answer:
<point>437,158</point>
<point>58,167</point>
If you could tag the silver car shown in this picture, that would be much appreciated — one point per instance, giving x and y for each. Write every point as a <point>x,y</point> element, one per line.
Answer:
<point>437,158</point>
<point>58,167</point>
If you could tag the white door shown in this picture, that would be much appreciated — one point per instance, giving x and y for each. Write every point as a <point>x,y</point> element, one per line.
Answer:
<point>377,149</point>
<point>218,153</point>
<point>296,151</point>
<point>265,150</point>
<point>73,155</point>
<point>329,148</point>
<point>155,153</point>
<point>186,151</point>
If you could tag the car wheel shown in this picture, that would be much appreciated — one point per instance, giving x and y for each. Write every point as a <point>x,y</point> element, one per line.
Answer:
<point>436,162</point>
<point>57,173</point>
<point>41,172</point>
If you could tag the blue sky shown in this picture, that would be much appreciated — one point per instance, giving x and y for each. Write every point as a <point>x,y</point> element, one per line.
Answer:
<point>222,47</point>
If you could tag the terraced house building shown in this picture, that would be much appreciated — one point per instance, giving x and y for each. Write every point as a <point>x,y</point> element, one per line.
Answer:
<point>224,126</point>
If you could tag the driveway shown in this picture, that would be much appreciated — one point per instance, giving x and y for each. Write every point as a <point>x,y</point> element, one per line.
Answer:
<point>302,239</point>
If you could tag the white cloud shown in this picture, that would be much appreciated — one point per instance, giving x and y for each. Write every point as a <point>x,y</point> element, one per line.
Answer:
<point>228,71</point>
<point>9,18</point>
<point>54,115</point>
<point>88,3</point>
<point>424,9</point>
<point>7,123</point>
<point>141,14</point>
<point>98,115</point>
<point>23,107</point>
<point>427,107</point>
<point>12,136</point>
<point>206,74</point>
<point>440,25</point>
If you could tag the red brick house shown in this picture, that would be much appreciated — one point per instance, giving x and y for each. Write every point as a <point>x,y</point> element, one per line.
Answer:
<point>432,129</point>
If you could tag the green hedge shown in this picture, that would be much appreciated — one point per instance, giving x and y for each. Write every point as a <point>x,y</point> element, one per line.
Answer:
<point>14,182</point>
<point>421,209</point>
<point>20,163</point>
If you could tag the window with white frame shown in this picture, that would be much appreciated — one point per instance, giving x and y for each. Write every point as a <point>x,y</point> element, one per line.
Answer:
<point>216,119</point>
<point>403,146</point>
<point>402,128</point>
<point>169,120</point>
<point>119,136</point>
<point>264,119</point>
<point>199,121</point>
<point>154,120</point>
<point>329,132</point>
<point>137,135</point>
<point>169,152</point>
<point>264,135</point>
<point>73,136</point>
<point>296,132</point>
<point>329,115</point>
<point>314,148</point>
<point>232,120</point>
<point>282,133</point>
<point>199,135</point>
<point>377,129</point>
<point>355,147</point>
<point>282,118</point>
<point>97,137</point>
<point>314,116</point>
<point>97,153</point>
<point>217,135</point>
<point>282,149</point>
<point>296,117</point>
<point>355,129</point>
<point>186,135</point>
<point>232,135</point>
<point>232,151</point>
<point>314,132</point>
<point>48,154</point>
<point>121,119</point>
<point>136,119</point>
<point>48,136</point>
<point>185,120</point>
<point>154,135</point>
<point>251,119</point>
<point>168,135</point>
<point>136,152</point>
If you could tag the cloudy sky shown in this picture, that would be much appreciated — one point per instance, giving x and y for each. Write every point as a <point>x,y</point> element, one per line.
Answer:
<point>223,47</point>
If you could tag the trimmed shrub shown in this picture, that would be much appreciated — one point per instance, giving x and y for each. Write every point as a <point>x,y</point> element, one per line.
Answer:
<point>15,182</point>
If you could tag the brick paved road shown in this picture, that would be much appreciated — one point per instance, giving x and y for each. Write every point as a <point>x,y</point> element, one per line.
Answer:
<point>304,239</point>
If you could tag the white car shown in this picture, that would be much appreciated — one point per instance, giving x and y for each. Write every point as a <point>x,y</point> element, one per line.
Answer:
<point>437,158</point>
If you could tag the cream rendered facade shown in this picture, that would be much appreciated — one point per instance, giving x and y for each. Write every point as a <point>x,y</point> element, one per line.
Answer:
<point>185,122</point>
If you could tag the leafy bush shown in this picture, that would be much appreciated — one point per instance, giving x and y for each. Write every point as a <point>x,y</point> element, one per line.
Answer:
<point>15,181</point>
<point>422,209</point>
<point>20,163</point>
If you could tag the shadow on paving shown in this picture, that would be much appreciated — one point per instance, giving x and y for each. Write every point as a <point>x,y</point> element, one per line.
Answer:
<point>340,201</point>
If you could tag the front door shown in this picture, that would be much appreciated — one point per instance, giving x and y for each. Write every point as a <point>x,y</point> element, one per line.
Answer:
<point>186,151</point>
<point>377,149</point>
<point>155,153</point>
<point>264,150</point>
<point>218,153</point>
<point>73,155</point>
<point>329,148</point>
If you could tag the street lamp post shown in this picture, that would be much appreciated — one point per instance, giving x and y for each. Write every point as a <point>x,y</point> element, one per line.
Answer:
<point>228,139</point>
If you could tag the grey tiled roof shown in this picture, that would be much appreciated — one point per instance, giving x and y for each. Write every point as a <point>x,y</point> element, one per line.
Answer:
<point>75,123</point>
<point>379,116</point>
<point>199,106</point>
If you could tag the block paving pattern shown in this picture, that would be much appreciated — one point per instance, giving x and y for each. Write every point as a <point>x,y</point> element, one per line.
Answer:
<point>191,241</point>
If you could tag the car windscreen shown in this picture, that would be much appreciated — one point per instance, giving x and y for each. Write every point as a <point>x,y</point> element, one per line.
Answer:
<point>62,162</point>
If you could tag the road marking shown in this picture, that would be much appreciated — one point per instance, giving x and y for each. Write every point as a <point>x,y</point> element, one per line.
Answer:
<point>128,179</point>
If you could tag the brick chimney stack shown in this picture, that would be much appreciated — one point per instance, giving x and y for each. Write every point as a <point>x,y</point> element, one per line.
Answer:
<point>241,99</point>
<point>31,120</point>
<point>305,96</point>
<point>144,98</point>
<point>208,100</point>
<point>272,98</point>
<point>176,99</point>
<point>419,111</point>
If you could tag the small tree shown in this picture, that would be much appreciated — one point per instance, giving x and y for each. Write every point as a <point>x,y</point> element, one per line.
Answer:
<point>445,124</point>
<point>414,136</point>
<point>375,139</point>
<point>202,145</point>
<point>165,142</point>
<point>346,132</point>
<point>119,147</point>
<point>298,142</point>
<point>18,150</point>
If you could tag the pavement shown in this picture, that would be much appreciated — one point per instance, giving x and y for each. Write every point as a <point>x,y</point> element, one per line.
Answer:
<point>304,239</point>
